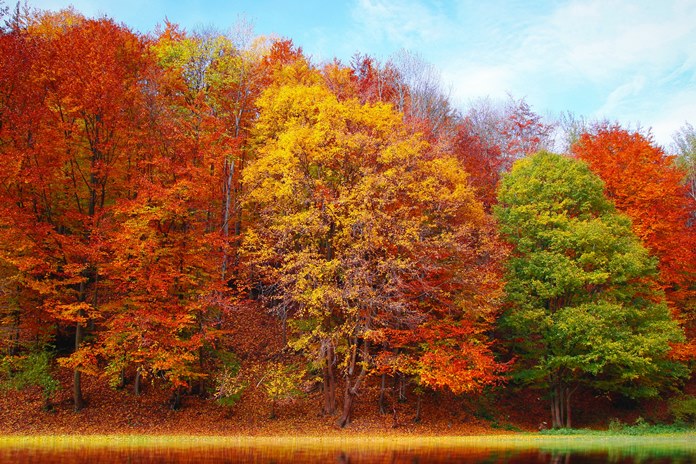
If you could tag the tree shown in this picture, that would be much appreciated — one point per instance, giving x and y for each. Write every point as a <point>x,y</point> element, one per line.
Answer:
<point>646,185</point>
<point>511,126</point>
<point>684,148</point>
<point>356,226</point>
<point>482,161</point>
<point>583,304</point>
<point>66,162</point>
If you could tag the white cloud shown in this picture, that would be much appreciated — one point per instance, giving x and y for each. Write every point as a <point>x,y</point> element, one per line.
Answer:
<point>404,24</point>
<point>620,97</point>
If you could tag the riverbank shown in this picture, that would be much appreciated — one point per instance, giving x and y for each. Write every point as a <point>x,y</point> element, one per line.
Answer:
<point>513,441</point>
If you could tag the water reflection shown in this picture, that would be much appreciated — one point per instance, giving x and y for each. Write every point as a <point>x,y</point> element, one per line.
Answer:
<point>341,456</point>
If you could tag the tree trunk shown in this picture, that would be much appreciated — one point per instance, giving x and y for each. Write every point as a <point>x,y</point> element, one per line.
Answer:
<point>569,392</point>
<point>226,214</point>
<point>560,406</point>
<point>137,383</point>
<point>417,419</point>
<point>382,407</point>
<point>329,379</point>
<point>175,400</point>
<point>78,400</point>
<point>348,398</point>
<point>272,415</point>
<point>352,389</point>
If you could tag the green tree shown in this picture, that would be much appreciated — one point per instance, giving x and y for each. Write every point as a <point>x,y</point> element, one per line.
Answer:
<point>583,304</point>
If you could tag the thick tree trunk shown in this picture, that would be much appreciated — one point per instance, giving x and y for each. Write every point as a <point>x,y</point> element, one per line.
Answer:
<point>352,388</point>
<point>348,398</point>
<point>329,379</point>
<point>560,406</point>
<point>175,400</point>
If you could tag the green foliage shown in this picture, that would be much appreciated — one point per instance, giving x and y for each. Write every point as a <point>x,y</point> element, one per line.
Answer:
<point>683,409</point>
<point>33,369</point>
<point>616,427</point>
<point>583,305</point>
<point>229,382</point>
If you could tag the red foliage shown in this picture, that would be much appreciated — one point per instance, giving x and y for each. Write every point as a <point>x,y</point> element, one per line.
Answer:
<point>483,162</point>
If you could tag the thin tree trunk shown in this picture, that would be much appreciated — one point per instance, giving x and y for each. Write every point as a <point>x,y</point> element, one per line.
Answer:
<point>226,215</point>
<point>382,407</point>
<point>137,387</point>
<point>78,400</point>
<point>418,409</point>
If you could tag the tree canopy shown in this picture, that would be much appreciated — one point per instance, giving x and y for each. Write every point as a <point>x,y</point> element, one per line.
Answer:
<point>584,306</point>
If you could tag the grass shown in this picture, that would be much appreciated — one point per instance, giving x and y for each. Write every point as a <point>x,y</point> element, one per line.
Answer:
<point>564,439</point>
<point>617,428</point>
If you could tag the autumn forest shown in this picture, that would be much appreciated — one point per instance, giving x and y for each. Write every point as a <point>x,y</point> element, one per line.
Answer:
<point>193,214</point>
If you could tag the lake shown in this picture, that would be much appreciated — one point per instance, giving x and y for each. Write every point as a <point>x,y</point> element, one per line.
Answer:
<point>680,448</point>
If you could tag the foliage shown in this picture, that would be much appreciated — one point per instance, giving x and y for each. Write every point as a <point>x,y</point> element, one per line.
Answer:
<point>646,185</point>
<point>362,231</point>
<point>230,381</point>
<point>683,409</point>
<point>618,428</point>
<point>583,304</point>
<point>281,382</point>
<point>150,183</point>
<point>33,369</point>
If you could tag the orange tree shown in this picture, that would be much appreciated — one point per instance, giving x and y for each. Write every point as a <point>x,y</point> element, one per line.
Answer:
<point>648,187</point>
<point>84,86</point>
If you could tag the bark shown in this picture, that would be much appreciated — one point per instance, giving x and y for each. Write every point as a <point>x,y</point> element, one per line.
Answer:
<point>382,407</point>
<point>226,216</point>
<point>329,379</point>
<point>175,400</point>
<point>137,390</point>
<point>78,400</point>
<point>353,387</point>
<point>417,419</point>
<point>560,405</point>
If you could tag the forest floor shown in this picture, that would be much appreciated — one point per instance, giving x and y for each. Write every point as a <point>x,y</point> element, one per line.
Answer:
<point>256,337</point>
<point>111,411</point>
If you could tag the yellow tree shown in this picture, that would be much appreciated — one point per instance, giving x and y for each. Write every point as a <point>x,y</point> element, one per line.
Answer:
<point>356,226</point>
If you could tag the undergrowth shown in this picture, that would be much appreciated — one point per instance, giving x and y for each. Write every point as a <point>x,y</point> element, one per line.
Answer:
<point>616,427</point>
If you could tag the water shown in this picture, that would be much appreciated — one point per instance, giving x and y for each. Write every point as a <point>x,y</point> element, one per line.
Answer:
<point>340,455</point>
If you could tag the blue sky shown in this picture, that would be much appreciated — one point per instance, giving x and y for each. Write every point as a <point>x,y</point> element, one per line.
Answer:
<point>628,60</point>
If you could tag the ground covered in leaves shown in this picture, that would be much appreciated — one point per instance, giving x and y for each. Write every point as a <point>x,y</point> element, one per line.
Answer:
<point>256,337</point>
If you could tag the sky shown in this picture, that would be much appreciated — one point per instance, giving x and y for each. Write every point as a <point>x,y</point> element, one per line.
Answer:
<point>631,61</point>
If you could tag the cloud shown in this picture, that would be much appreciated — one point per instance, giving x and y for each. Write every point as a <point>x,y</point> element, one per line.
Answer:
<point>409,24</point>
<point>621,96</point>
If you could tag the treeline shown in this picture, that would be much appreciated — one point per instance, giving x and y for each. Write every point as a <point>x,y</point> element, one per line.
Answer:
<point>151,184</point>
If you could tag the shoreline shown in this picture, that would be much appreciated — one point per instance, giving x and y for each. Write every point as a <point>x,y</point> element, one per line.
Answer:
<point>510,440</point>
